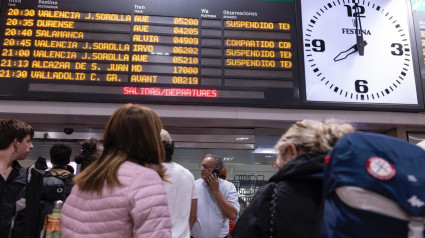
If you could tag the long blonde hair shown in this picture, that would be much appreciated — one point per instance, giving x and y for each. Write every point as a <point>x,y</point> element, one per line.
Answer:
<point>312,135</point>
<point>132,133</point>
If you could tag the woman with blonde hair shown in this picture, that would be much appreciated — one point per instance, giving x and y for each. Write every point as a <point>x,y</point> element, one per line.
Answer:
<point>121,194</point>
<point>288,206</point>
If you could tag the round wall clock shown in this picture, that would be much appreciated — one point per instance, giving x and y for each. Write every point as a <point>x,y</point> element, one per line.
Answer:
<point>358,51</point>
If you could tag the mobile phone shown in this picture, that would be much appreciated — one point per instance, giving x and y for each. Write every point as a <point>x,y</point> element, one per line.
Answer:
<point>216,172</point>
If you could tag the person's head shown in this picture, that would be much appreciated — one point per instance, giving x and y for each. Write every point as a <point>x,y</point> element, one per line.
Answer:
<point>168,145</point>
<point>209,163</point>
<point>309,135</point>
<point>88,154</point>
<point>132,133</point>
<point>60,155</point>
<point>19,134</point>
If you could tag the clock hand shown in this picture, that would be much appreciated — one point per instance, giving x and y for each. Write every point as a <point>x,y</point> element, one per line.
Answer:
<point>361,43</point>
<point>342,55</point>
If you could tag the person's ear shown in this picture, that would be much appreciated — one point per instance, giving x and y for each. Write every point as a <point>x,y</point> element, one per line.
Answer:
<point>15,142</point>
<point>292,150</point>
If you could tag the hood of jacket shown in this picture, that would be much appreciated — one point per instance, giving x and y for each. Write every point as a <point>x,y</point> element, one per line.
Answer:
<point>303,166</point>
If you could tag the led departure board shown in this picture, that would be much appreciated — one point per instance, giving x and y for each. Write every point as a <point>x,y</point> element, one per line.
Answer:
<point>223,52</point>
<point>262,53</point>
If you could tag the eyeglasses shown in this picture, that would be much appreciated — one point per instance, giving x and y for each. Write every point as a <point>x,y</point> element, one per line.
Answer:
<point>278,165</point>
<point>204,166</point>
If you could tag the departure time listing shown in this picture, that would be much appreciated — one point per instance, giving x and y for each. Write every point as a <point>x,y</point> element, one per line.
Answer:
<point>134,50</point>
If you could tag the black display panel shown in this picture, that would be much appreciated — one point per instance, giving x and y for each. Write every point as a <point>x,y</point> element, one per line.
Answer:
<point>221,52</point>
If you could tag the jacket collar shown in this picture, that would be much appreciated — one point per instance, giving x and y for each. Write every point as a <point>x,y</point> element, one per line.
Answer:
<point>304,165</point>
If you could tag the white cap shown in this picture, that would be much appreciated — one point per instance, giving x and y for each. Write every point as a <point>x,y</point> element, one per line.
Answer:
<point>165,136</point>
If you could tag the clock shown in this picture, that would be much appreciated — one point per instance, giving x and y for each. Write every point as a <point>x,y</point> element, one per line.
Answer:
<point>358,52</point>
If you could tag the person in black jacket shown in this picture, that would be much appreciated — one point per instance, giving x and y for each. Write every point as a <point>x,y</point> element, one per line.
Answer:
<point>289,204</point>
<point>15,144</point>
<point>89,152</point>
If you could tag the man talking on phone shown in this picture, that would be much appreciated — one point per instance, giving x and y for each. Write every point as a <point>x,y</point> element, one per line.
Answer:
<point>217,201</point>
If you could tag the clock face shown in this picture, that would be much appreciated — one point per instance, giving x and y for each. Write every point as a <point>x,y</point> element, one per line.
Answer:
<point>358,51</point>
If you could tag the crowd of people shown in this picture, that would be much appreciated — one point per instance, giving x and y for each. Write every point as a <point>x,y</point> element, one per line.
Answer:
<point>133,188</point>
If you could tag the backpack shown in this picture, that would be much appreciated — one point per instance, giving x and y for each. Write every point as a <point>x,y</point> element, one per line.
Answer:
<point>38,200</point>
<point>374,186</point>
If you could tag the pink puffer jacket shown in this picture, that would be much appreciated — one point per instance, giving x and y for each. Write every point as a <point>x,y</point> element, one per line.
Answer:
<point>137,209</point>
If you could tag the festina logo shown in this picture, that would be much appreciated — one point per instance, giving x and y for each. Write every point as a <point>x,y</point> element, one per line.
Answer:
<point>354,31</point>
<point>415,201</point>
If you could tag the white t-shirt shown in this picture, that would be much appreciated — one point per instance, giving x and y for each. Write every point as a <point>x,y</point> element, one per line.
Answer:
<point>211,222</point>
<point>180,193</point>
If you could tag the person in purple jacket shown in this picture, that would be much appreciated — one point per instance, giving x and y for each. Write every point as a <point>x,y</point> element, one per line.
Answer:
<point>121,194</point>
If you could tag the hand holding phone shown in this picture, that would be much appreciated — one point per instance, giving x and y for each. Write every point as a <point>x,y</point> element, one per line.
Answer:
<point>216,172</point>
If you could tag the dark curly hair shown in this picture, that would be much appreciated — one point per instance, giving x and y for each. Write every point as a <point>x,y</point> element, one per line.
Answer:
<point>60,154</point>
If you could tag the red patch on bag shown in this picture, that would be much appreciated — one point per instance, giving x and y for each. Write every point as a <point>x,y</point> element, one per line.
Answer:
<point>327,159</point>
<point>380,168</point>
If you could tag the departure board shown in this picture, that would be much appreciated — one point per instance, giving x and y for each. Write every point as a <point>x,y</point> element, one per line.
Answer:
<point>221,52</point>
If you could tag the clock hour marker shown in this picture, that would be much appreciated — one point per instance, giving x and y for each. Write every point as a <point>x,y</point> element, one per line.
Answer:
<point>377,8</point>
<point>362,97</point>
<point>403,73</point>
<point>307,45</point>
<point>397,26</point>
<point>336,89</point>
<point>329,5</point>
<point>315,70</point>
<point>313,21</point>
<point>387,91</point>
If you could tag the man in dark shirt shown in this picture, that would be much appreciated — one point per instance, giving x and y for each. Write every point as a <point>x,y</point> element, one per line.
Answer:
<point>15,144</point>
